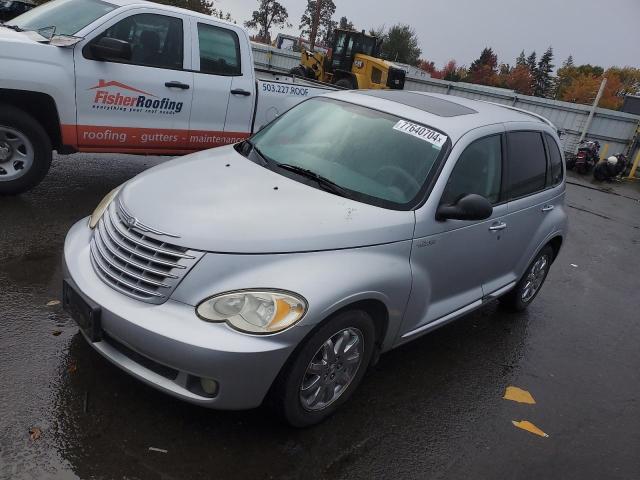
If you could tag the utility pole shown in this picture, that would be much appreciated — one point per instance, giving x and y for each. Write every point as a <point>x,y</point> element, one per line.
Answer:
<point>593,110</point>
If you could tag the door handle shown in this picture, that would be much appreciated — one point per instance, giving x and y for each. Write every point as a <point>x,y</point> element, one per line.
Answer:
<point>547,208</point>
<point>239,91</point>
<point>174,84</point>
<point>498,226</point>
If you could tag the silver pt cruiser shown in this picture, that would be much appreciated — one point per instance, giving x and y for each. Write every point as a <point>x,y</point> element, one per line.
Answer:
<point>281,267</point>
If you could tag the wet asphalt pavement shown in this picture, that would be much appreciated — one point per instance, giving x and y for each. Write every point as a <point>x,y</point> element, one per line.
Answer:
<point>431,409</point>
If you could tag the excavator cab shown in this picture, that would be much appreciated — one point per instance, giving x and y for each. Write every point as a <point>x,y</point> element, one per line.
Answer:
<point>353,62</point>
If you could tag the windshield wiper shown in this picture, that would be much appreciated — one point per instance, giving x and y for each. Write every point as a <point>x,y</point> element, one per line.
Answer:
<point>12,27</point>
<point>252,148</point>
<point>322,181</point>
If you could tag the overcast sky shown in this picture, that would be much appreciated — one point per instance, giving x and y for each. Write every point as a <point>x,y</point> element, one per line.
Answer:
<point>599,32</point>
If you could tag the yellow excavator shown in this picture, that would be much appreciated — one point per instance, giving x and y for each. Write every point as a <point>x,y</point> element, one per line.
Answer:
<point>353,62</point>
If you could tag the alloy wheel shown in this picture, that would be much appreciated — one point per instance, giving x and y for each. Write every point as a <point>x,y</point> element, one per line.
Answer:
<point>535,277</point>
<point>332,369</point>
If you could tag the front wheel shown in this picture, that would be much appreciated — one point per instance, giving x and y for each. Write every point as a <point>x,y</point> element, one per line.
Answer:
<point>531,282</point>
<point>326,370</point>
<point>25,151</point>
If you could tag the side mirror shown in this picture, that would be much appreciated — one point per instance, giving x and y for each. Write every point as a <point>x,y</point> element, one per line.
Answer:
<point>469,207</point>
<point>111,49</point>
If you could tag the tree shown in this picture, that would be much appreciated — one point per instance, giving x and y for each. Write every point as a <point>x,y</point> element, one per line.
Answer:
<point>531,63</point>
<point>629,79</point>
<point>564,76</point>
<point>542,76</point>
<point>452,72</point>
<point>428,66</point>
<point>270,13</point>
<point>401,45</point>
<point>316,21</point>
<point>583,89</point>
<point>520,80</point>
<point>484,70</point>
<point>521,60</point>
<point>345,24</point>
<point>202,6</point>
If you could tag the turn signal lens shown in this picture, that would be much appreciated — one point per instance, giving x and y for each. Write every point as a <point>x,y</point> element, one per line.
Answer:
<point>254,311</point>
<point>102,207</point>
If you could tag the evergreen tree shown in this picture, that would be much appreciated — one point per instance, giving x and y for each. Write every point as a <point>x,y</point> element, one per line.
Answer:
<point>532,63</point>
<point>521,60</point>
<point>484,70</point>
<point>542,76</point>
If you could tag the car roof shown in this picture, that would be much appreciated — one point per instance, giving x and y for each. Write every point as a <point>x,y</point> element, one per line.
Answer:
<point>162,6</point>
<point>455,116</point>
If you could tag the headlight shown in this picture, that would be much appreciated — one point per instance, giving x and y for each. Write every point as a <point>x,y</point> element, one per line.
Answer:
<point>102,207</point>
<point>254,311</point>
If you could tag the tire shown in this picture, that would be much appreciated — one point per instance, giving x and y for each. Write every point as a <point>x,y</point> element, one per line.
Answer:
<point>25,151</point>
<point>295,405</point>
<point>571,162</point>
<point>345,83</point>
<point>516,300</point>
<point>299,71</point>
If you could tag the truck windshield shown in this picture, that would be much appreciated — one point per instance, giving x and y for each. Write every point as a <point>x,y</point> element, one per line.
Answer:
<point>68,16</point>
<point>375,157</point>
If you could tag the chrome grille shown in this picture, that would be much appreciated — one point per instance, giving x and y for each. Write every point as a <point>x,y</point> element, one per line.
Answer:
<point>135,263</point>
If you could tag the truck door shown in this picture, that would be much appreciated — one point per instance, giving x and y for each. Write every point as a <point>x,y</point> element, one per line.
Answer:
<point>217,64</point>
<point>142,103</point>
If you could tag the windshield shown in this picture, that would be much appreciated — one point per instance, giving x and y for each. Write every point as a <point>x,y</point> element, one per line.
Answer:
<point>378,158</point>
<point>68,16</point>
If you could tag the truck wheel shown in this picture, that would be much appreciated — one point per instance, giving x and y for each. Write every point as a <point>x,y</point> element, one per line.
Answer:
<point>326,370</point>
<point>298,71</point>
<point>25,151</point>
<point>345,83</point>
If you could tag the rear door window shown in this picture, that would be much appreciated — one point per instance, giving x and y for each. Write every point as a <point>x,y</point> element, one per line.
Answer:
<point>219,50</point>
<point>527,163</point>
<point>555,161</point>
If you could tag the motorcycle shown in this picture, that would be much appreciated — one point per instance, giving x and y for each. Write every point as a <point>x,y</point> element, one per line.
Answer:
<point>610,169</point>
<point>587,157</point>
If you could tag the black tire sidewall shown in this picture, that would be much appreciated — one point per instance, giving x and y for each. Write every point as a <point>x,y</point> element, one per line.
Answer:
<point>286,394</point>
<point>16,119</point>
<point>346,83</point>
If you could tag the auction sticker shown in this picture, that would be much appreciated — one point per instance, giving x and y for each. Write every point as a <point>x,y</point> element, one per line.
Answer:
<point>421,132</point>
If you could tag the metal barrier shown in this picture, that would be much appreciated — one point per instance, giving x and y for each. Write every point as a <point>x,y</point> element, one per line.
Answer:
<point>614,130</point>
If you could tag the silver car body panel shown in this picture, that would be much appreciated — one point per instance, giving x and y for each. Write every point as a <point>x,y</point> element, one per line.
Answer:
<point>333,251</point>
<point>218,201</point>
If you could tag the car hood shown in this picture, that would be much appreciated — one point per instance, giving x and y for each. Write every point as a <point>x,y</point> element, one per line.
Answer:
<point>219,201</point>
<point>9,35</point>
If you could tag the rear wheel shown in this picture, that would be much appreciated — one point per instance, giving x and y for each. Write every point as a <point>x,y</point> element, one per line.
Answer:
<point>325,372</point>
<point>345,83</point>
<point>25,151</point>
<point>299,71</point>
<point>531,282</point>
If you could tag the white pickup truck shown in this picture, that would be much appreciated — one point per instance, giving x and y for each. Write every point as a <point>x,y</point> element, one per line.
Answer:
<point>127,76</point>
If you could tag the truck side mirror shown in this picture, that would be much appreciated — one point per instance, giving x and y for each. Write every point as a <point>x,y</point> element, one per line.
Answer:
<point>108,48</point>
<point>469,207</point>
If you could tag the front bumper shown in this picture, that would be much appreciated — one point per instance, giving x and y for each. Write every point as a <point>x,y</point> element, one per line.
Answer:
<point>154,342</point>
